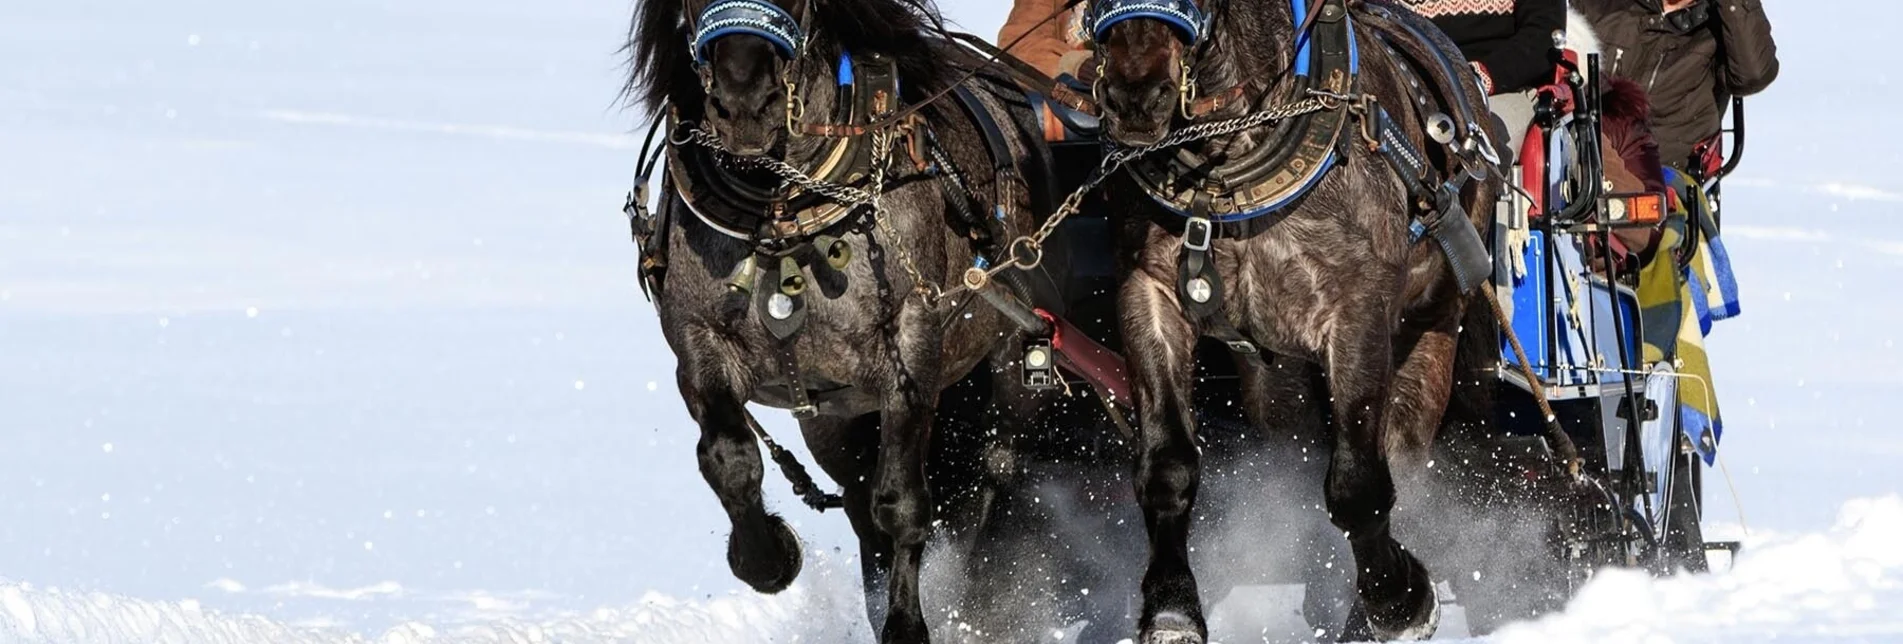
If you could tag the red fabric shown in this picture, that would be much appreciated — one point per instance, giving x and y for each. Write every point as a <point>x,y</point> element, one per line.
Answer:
<point>1709,156</point>
<point>1533,169</point>
<point>1081,355</point>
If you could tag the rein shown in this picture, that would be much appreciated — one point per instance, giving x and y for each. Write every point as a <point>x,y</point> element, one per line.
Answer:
<point>990,59</point>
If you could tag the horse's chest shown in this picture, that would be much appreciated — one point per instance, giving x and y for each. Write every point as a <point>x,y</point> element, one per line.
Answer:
<point>1289,284</point>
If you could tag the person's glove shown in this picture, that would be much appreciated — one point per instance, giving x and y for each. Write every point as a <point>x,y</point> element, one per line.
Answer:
<point>1482,78</point>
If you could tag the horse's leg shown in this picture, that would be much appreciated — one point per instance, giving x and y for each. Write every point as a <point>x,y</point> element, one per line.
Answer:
<point>847,450</point>
<point>1160,344</point>
<point>1423,383</point>
<point>1285,400</point>
<point>991,527</point>
<point>1008,415</point>
<point>1397,596</point>
<point>762,549</point>
<point>901,503</point>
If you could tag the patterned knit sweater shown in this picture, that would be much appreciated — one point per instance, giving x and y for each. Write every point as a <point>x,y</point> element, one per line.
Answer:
<point>1508,40</point>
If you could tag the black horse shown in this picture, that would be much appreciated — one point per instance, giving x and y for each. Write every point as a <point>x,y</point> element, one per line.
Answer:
<point>1333,226</point>
<point>811,216</point>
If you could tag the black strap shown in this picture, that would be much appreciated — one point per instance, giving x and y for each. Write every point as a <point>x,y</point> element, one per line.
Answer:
<point>1402,156</point>
<point>1003,164</point>
<point>769,298</point>
<point>1437,47</point>
<point>1001,158</point>
<point>795,473</point>
<point>1200,289</point>
<point>650,230</point>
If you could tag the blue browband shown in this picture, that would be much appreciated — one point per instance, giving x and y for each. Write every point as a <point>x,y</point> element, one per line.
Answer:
<point>761,18</point>
<point>1184,16</point>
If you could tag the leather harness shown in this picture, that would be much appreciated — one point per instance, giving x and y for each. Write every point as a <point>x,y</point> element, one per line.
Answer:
<point>1300,151</point>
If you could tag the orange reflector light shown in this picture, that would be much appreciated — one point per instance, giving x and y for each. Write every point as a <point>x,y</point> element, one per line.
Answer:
<point>1641,208</point>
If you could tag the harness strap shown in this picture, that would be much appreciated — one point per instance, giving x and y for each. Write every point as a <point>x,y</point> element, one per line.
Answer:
<point>784,314</point>
<point>1185,17</point>
<point>1199,287</point>
<point>1001,158</point>
<point>650,229</point>
<point>1402,156</point>
<point>1029,77</point>
<point>749,17</point>
<point>1430,49</point>
<point>795,473</point>
<point>1214,103</point>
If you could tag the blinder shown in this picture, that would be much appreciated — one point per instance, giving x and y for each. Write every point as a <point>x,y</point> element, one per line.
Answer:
<point>1185,17</point>
<point>761,18</point>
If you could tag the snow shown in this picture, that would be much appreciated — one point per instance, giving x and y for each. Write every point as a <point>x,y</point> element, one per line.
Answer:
<point>1841,585</point>
<point>319,324</point>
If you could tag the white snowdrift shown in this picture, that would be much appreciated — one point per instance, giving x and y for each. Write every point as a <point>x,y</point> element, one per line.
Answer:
<point>825,610</point>
<point>1845,585</point>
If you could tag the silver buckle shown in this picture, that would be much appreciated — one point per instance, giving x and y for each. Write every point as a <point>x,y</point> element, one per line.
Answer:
<point>1198,233</point>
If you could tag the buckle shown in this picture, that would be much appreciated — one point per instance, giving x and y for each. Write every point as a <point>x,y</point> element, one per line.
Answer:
<point>1198,233</point>
<point>1243,347</point>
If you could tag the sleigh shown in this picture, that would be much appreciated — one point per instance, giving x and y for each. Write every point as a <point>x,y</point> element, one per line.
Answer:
<point>1644,425</point>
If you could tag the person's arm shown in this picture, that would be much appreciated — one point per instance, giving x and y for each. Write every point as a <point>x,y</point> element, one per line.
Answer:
<point>1522,63</point>
<point>1744,33</point>
<point>1045,46</point>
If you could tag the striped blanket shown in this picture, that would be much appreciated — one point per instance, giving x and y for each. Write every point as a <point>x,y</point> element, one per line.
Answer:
<point>1678,306</point>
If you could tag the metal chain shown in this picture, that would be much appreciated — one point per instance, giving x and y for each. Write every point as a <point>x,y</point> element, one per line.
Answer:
<point>843,194</point>
<point>1026,252</point>
<point>881,157</point>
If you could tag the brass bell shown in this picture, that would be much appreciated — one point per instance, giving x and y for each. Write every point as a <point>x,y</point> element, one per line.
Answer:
<point>743,276</point>
<point>792,279</point>
<point>839,254</point>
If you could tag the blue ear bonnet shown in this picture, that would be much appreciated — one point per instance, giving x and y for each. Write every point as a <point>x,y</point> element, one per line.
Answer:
<point>1189,20</point>
<point>761,18</point>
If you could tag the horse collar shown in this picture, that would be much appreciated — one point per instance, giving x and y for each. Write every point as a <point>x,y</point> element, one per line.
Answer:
<point>1292,161</point>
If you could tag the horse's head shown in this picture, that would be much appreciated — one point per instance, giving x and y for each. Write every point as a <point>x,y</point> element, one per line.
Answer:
<point>744,53</point>
<point>1144,51</point>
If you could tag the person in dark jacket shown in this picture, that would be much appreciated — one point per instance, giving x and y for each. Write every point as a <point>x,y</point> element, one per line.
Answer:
<point>1690,57</point>
<point>1507,42</point>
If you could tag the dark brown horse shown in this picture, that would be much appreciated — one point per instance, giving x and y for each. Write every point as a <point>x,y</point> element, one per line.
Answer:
<point>1330,231</point>
<point>796,252</point>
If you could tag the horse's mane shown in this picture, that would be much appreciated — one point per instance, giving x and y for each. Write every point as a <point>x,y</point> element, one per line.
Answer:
<point>661,64</point>
<point>1242,28</point>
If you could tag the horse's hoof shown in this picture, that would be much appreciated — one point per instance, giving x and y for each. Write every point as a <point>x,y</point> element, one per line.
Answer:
<point>1171,627</point>
<point>1426,620</point>
<point>770,562</point>
<point>900,629</point>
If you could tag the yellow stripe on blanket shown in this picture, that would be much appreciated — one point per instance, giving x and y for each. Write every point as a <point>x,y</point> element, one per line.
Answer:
<point>1671,325</point>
